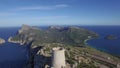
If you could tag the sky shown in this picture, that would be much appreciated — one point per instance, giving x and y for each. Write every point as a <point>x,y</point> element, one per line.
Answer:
<point>59,12</point>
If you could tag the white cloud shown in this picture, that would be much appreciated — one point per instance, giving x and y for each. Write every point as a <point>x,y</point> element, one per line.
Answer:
<point>6,14</point>
<point>43,7</point>
<point>61,5</point>
<point>10,12</point>
<point>51,17</point>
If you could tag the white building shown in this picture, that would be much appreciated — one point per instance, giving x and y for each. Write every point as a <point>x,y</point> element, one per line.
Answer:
<point>58,58</point>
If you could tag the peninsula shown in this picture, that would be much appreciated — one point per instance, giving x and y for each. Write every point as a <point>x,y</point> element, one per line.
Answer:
<point>71,38</point>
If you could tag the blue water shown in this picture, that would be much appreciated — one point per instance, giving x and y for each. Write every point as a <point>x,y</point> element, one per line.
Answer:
<point>110,46</point>
<point>12,55</point>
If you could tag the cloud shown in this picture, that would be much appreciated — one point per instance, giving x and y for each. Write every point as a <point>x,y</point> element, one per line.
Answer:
<point>51,17</point>
<point>12,11</point>
<point>6,14</point>
<point>43,7</point>
<point>61,6</point>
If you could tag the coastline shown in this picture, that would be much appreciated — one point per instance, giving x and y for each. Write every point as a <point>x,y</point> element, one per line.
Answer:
<point>102,53</point>
<point>11,41</point>
<point>89,38</point>
<point>85,41</point>
<point>99,49</point>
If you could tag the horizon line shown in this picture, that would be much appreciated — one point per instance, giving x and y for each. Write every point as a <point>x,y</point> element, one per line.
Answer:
<point>57,25</point>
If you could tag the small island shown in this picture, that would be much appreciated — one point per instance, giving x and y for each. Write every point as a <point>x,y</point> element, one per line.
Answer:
<point>2,41</point>
<point>110,37</point>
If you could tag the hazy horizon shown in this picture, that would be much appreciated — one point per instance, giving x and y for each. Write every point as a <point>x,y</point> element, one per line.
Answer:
<point>19,26</point>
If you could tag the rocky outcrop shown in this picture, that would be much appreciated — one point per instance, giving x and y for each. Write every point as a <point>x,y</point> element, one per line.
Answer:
<point>2,41</point>
<point>27,28</point>
<point>24,35</point>
<point>16,41</point>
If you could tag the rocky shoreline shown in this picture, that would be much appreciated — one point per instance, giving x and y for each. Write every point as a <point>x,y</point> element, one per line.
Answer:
<point>16,41</point>
<point>2,41</point>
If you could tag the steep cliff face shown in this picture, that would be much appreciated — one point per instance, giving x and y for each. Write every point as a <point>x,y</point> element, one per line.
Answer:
<point>25,35</point>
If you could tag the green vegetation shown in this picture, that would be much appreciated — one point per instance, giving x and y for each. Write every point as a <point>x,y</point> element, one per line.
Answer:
<point>64,35</point>
<point>73,39</point>
<point>16,38</point>
<point>84,65</point>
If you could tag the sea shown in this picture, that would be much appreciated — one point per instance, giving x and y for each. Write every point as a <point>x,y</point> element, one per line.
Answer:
<point>12,55</point>
<point>103,44</point>
<point>17,56</point>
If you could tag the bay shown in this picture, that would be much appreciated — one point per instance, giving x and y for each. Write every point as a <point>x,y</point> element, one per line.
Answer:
<point>12,55</point>
<point>109,46</point>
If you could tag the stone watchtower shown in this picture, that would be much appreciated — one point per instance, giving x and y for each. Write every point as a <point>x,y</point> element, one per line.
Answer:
<point>58,58</point>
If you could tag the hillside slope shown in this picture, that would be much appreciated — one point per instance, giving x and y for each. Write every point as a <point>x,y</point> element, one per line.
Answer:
<point>72,38</point>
